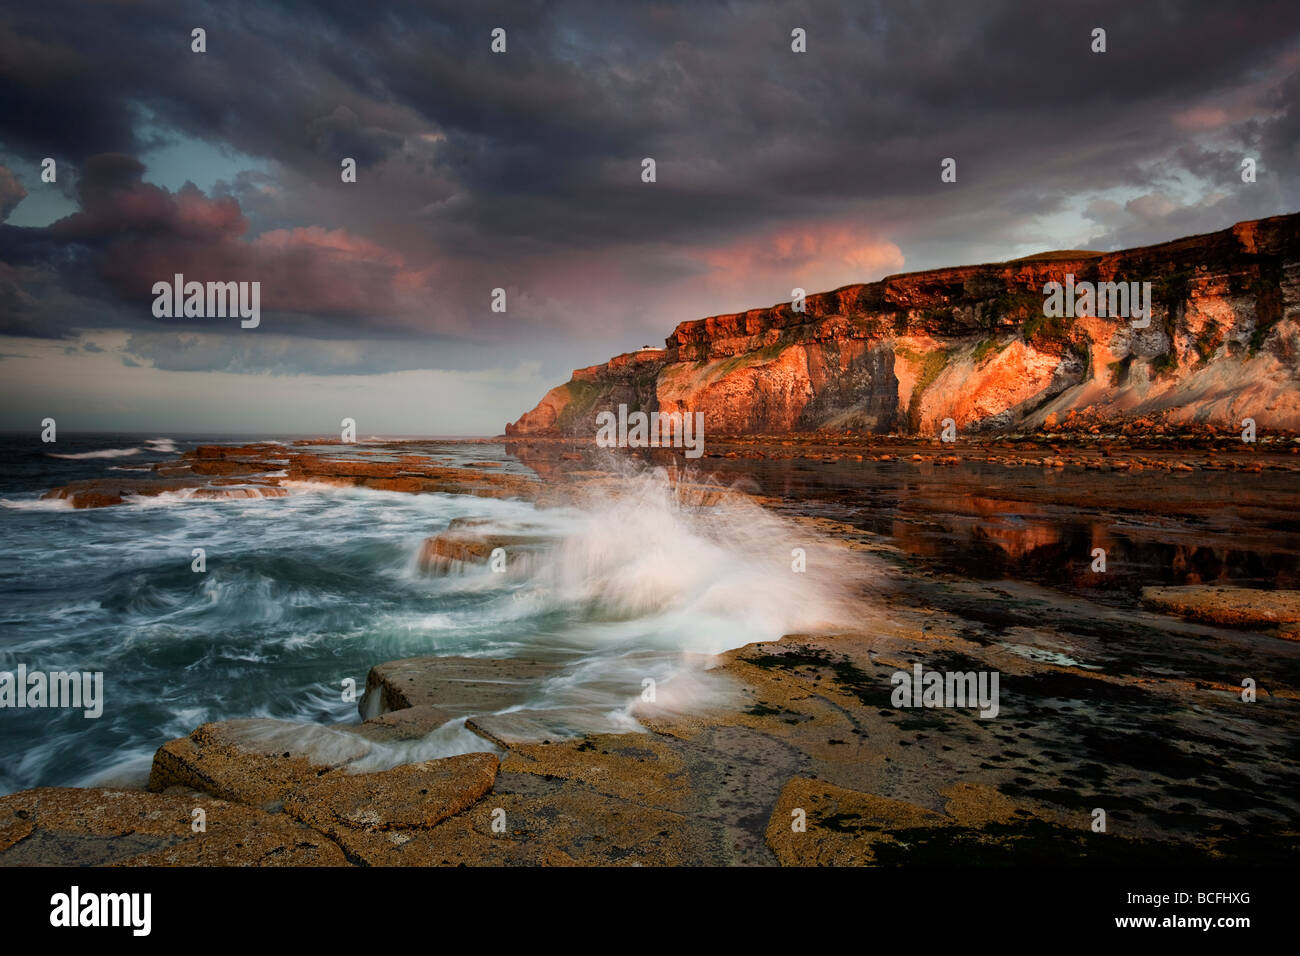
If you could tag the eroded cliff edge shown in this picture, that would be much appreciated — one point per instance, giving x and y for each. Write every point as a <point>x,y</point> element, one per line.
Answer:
<point>972,343</point>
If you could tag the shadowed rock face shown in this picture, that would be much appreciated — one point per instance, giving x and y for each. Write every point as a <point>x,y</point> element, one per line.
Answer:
<point>972,344</point>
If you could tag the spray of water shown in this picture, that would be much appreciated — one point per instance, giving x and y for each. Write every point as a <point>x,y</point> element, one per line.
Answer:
<point>648,577</point>
<point>638,577</point>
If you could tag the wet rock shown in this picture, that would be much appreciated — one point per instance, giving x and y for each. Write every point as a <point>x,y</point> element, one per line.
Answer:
<point>457,685</point>
<point>93,827</point>
<point>471,543</point>
<point>268,840</point>
<point>253,761</point>
<point>841,827</point>
<point>241,491</point>
<point>640,768</point>
<point>1235,607</point>
<point>258,450</point>
<point>400,726</point>
<point>409,475</point>
<point>531,821</point>
<point>517,727</point>
<point>409,797</point>
<point>95,499</point>
<point>102,492</point>
<point>225,466</point>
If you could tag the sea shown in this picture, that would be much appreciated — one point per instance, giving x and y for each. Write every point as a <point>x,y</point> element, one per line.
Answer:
<point>301,595</point>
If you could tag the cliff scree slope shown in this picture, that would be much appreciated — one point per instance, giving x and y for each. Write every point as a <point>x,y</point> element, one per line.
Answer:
<point>972,343</point>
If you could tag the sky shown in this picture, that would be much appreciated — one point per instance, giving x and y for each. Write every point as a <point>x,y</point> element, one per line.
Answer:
<point>522,170</point>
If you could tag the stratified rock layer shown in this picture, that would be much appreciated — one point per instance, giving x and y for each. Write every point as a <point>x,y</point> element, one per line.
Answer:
<point>972,344</point>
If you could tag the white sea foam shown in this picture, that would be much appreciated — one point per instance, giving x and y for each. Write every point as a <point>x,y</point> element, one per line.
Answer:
<point>302,592</point>
<point>703,579</point>
<point>649,588</point>
<point>36,504</point>
<point>103,453</point>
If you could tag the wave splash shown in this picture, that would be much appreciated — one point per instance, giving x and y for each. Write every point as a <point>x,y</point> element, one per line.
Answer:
<point>644,586</point>
<point>699,579</point>
<point>102,453</point>
<point>638,579</point>
<point>152,446</point>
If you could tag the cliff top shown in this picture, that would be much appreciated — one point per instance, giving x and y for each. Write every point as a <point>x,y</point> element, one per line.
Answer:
<point>1243,235</point>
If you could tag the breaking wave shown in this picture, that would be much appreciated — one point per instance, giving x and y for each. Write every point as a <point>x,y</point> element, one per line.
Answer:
<point>102,453</point>
<point>636,580</point>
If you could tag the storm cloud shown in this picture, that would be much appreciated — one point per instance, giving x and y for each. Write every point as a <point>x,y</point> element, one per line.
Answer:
<point>522,170</point>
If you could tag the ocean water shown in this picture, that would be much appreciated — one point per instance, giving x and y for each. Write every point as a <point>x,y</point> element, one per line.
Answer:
<point>301,593</point>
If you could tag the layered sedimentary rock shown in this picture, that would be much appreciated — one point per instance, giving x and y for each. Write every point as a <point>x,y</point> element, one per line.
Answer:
<point>973,344</point>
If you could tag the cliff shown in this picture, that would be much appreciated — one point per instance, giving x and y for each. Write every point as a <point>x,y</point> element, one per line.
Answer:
<point>974,344</point>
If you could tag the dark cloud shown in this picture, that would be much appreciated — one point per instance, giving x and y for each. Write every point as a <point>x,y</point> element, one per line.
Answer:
<point>130,234</point>
<point>274,355</point>
<point>522,170</point>
<point>116,202</point>
<point>341,134</point>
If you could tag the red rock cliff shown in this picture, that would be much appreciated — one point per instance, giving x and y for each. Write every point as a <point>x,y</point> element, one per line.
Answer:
<point>973,344</point>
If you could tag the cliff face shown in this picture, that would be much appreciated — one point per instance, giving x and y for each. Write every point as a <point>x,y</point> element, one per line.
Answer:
<point>973,344</point>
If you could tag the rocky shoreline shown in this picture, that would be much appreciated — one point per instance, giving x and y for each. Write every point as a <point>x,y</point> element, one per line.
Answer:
<point>1139,713</point>
<point>271,470</point>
